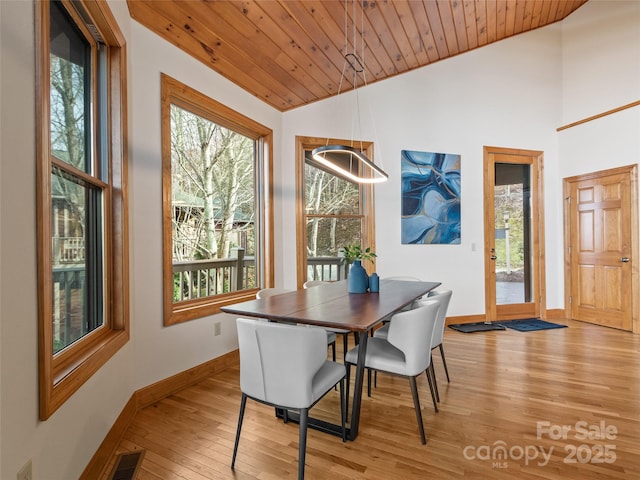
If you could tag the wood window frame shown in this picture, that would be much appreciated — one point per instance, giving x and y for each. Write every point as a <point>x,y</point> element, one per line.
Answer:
<point>366,198</point>
<point>177,93</point>
<point>63,373</point>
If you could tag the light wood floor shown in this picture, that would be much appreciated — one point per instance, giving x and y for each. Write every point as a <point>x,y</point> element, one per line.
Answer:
<point>508,389</point>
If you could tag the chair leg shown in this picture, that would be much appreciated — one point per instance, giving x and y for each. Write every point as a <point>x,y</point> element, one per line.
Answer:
<point>346,396</point>
<point>416,403</point>
<point>343,411</point>
<point>435,380</point>
<point>444,362</point>
<point>375,374</point>
<point>243,404</point>
<point>302,442</point>
<point>345,345</point>
<point>333,351</point>
<point>427,372</point>
<point>368,382</point>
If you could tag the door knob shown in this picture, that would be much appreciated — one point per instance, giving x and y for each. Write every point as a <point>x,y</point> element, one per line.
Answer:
<point>493,257</point>
<point>624,259</point>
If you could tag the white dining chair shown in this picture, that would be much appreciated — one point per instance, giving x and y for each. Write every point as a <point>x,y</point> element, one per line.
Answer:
<point>444,297</point>
<point>270,292</point>
<point>313,283</point>
<point>285,366</point>
<point>382,331</point>
<point>405,352</point>
<point>336,331</point>
<point>405,278</point>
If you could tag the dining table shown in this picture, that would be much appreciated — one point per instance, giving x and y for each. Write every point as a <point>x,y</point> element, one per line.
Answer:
<point>332,306</point>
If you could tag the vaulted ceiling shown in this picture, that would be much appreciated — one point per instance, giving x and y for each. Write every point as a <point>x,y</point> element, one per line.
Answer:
<point>292,52</point>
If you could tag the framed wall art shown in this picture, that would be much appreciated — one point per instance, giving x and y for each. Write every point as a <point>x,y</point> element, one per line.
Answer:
<point>430,198</point>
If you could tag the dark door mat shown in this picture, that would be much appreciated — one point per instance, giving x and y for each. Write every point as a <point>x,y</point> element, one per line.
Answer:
<point>530,325</point>
<point>476,327</point>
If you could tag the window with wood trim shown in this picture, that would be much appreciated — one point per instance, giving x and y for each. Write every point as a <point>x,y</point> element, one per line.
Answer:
<point>331,212</point>
<point>217,235</point>
<point>82,207</point>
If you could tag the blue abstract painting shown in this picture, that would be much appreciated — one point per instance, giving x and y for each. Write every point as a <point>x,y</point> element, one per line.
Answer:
<point>430,198</point>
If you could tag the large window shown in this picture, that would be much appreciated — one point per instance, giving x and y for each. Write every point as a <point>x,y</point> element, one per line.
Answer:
<point>83,271</point>
<point>332,212</point>
<point>216,183</point>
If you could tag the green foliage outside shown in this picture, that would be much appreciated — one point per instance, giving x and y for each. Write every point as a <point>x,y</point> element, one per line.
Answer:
<point>508,204</point>
<point>213,200</point>
<point>333,214</point>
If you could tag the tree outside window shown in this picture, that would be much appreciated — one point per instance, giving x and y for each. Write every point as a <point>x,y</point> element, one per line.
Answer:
<point>213,159</point>
<point>82,267</point>
<point>77,200</point>
<point>334,212</point>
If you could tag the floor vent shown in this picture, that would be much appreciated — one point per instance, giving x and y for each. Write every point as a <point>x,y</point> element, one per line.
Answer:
<point>126,467</point>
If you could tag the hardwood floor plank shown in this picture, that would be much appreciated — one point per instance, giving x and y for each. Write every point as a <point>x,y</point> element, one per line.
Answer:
<point>562,404</point>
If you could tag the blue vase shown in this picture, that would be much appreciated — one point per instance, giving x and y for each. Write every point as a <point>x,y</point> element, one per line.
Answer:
<point>374,283</point>
<point>358,278</point>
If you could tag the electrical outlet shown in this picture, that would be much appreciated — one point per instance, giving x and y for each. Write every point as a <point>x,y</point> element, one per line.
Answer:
<point>217,329</point>
<point>25,472</point>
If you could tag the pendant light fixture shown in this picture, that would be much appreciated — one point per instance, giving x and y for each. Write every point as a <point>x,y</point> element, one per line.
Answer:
<point>347,160</point>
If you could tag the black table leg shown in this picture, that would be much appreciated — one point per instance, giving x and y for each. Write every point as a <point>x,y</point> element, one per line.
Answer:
<point>357,390</point>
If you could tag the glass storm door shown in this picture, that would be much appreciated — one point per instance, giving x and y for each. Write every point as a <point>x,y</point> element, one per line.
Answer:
<point>511,233</point>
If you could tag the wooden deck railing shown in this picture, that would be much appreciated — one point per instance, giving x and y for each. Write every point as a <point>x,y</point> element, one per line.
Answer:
<point>198,278</point>
<point>203,278</point>
<point>327,268</point>
<point>68,250</point>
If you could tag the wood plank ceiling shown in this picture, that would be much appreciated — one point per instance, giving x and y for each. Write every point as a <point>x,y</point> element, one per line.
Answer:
<point>291,52</point>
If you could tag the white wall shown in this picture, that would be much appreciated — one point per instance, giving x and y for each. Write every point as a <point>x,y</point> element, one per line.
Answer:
<point>2,119</point>
<point>160,352</point>
<point>18,403</point>
<point>601,72</point>
<point>601,58</point>
<point>493,96</point>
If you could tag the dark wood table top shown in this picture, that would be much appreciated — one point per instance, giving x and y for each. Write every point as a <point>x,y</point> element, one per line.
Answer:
<point>332,306</point>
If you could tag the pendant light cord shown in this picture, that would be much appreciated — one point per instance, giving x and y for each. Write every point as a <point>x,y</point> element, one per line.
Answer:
<point>352,154</point>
